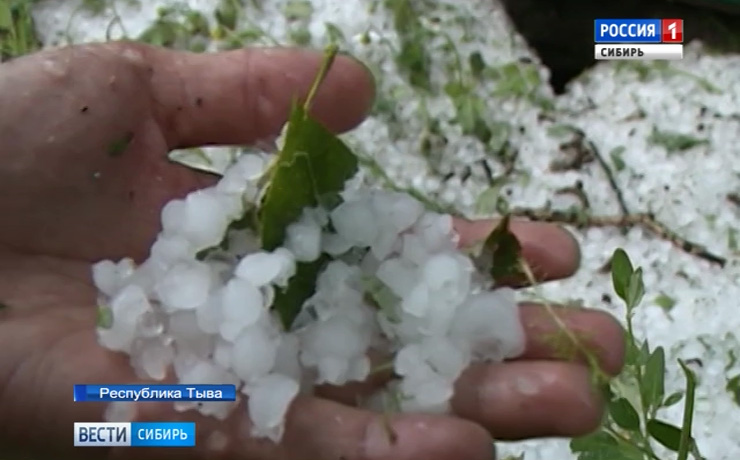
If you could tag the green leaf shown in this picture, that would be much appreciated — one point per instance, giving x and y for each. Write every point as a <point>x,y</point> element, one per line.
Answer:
<point>311,170</point>
<point>673,399</point>
<point>593,441</point>
<point>732,240</point>
<point>733,387</point>
<point>622,270</point>
<point>653,380</point>
<point>413,58</point>
<point>298,9</point>
<point>624,414</point>
<point>227,14</point>
<point>382,296</point>
<point>334,33</point>
<point>6,17</point>
<point>616,157</point>
<point>673,141</point>
<point>104,317</point>
<point>665,301</point>
<point>666,434</point>
<point>635,290</point>
<point>288,302</point>
<point>504,250</point>
<point>476,63</point>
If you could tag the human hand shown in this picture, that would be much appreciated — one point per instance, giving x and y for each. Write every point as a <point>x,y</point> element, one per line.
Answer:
<point>67,202</point>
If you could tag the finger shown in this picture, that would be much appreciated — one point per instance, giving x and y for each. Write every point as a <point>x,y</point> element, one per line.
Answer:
<point>244,96</point>
<point>526,399</point>
<point>550,336</point>
<point>550,250</point>
<point>320,429</point>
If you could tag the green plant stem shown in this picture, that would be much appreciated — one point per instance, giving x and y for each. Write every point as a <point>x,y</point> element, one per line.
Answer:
<point>684,445</point>
<point>620,437</point>
<point>329,55</point>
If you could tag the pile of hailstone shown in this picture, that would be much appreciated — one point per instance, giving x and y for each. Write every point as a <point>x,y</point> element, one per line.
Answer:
<point>396,282</point>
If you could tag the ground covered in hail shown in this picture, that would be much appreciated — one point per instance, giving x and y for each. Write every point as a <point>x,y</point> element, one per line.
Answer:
<point>652,146</point>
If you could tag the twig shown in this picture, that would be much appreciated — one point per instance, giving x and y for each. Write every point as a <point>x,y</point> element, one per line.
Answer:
<point>610,177</point>
<point>578,192</point>
<point>580,219</point>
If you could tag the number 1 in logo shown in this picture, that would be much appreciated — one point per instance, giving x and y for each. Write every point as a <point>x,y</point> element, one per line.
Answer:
<point>672,30</point>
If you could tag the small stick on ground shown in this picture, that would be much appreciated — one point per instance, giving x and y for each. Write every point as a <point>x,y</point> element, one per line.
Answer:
<point>644,220</point>
<point>577,191</point>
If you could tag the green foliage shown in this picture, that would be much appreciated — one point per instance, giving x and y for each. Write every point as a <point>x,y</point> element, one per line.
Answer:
<point>616,157</point>
<point>104,319</point>
<point>633,427</point>
<point>674,142</point>
<point>310,170</point>
<point>17,29</point>
<point>413,58</point>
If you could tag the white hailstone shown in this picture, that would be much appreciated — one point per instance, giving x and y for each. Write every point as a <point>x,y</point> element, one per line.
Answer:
<point>433,354</point>
<point>318,215</point>
<point>126,308</point>
<point>152,323</point>
<point>242,177</point>
<point>488,324</point>
<point>370,263</point>
<point>152,357</point>
<point>303,239</point>
<point>205,216</point>
<point>399,275</point>
<point>209,314</point>
<point>242,305</point>
<point>413,249</point>
<point>173,217</point>
<point>120,412</point>
<point>355,221</point>
<point>334,244</point>
<point>418,301</point>
<point>109,276</point>
<point>269,400</point>
<point>185,286</point>
<point>430,394</point>
<point>222,353</point>
<point>259,268</point>
<point>286,358</point>
<point>332,370</point>
<point>359,369</point>
<point>436,232</point>
<point>337,288</point>
<point>262,268</point>
<point>331,346</point>
<point>385,243</point>
<point>169,249</point>
<point>288,266</point>
<point>146,276</point>
<point>449,276</point>
<point>254,352</point>
<point>399,210</point>
<point>193,371</point>
<point>184,328</point>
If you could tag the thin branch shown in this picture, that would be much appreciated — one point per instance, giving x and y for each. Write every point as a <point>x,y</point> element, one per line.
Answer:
<point>580,219</point>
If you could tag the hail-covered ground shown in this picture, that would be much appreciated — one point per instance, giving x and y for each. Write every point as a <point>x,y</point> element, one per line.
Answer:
<point>493,136</point>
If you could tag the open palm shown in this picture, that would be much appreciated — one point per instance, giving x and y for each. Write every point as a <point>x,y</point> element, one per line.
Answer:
<point>84,134</point>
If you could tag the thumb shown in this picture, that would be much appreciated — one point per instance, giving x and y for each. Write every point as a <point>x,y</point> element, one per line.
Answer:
<point>244,96</point>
